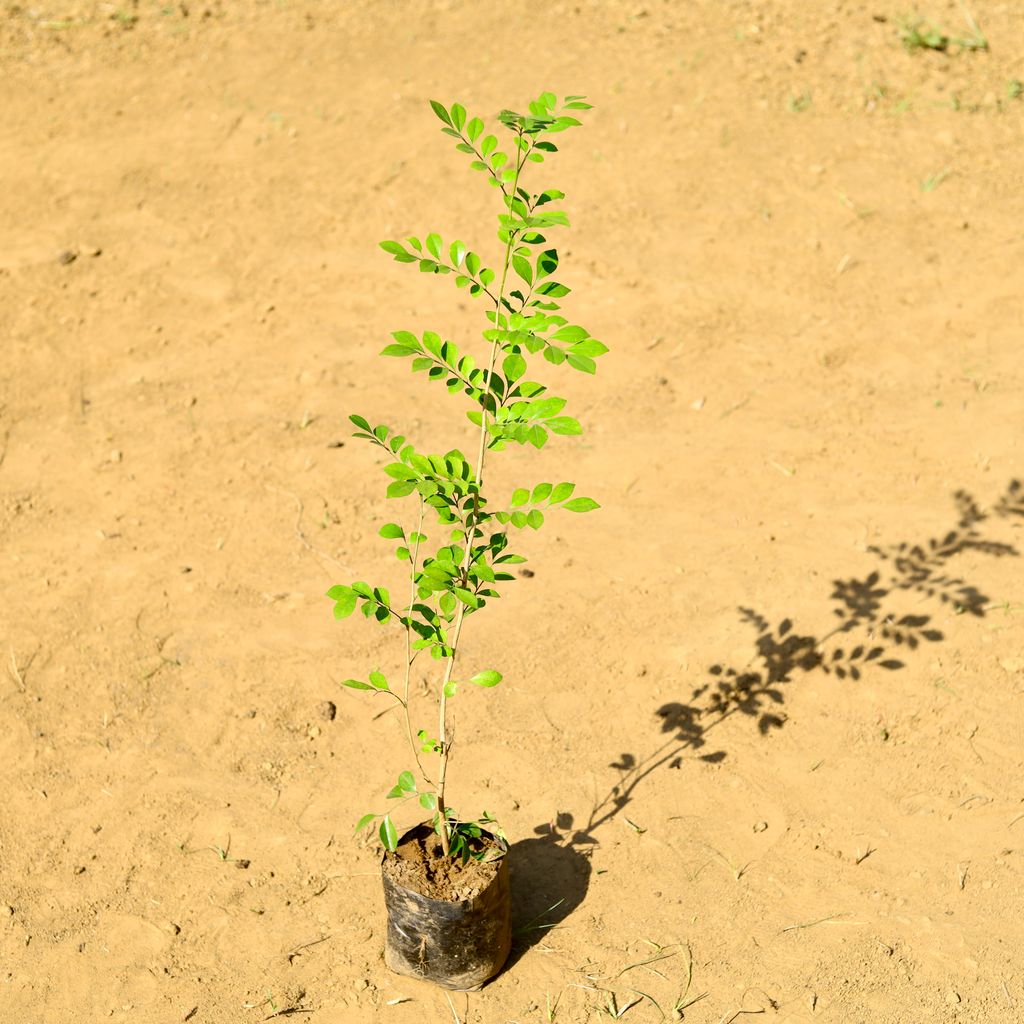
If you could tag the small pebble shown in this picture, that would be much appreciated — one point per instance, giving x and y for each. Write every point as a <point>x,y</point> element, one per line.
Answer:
<point>80,870</point>
<point>761,826</point>
<point>66,256</point>
<point>327,709</point>
<point>116,455</point>
<point>242,863</point>
<point>7,910</point>
<point>361,985</point>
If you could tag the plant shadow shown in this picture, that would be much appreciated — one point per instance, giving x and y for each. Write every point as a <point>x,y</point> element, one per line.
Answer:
<point>551,873</point>
<point>871,632</point>
<point>549,876</point>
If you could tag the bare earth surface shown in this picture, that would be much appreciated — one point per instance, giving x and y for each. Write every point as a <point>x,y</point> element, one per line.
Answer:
<point>805,248</point>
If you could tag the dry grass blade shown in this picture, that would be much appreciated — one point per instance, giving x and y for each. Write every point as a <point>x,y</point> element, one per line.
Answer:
<point>452,1007</point>
<point>16,673</point>
<point>729,1018</point>
<point>831,919</point>
<point>615,1011</point>
<point>660,955</point>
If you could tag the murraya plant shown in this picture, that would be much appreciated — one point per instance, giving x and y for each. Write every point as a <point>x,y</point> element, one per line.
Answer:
<point>464,566</point>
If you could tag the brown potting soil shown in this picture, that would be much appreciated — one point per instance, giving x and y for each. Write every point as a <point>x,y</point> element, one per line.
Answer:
<point>420,864</point>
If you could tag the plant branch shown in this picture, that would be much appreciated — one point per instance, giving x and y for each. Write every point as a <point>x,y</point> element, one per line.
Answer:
<point>471,527</point>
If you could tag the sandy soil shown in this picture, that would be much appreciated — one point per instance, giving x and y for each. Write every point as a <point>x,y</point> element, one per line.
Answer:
<point>804,246</point>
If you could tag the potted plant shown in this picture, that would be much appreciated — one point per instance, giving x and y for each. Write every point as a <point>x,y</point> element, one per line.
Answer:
<point>446,880</point>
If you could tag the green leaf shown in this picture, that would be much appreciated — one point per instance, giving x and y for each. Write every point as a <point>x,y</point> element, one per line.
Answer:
<point>391,531</point>
<point>377,681</point>
<point>360,423</point>
<point>363,822</point>
<point>547,263</point>
<point>388,833</point>
<point>457,251</point>
<point>398,350</point>
<point>345,605</point>
<point>450,688</point>
<point>468,598</point>
<point>458,115</point>
<point>474,128</point>
<point>570,333</point>
<point>588,347</point>
<point>582,363</point>
<point>520,496</point>
<point>433,242</point>
<point>535,519</point>
<point>514,366</point>
<point>564,425</point>
<point>400,488</point>
<point>581,505</point>
<point>487,678</point>
<point>540,493</point>
<point>355,684</point>
<point>441,112</point>
<point>552,289</point>
<point>395,248</point>
<point>561,492</point>
<point>428,801</point>
<point>522,267</point>
<point>407,781</point>
<point>432,343</point>
<point>472,262</point>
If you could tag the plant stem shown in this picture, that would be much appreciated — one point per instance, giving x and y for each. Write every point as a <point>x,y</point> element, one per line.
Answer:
<point>408,647</point>
<point>470,531</point>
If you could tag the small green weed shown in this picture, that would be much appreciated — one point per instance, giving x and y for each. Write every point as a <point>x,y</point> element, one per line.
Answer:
<point>920,35</point>
<point>934,180</point>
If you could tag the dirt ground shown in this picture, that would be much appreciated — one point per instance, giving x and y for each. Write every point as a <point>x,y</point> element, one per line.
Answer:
<point>804,245</point>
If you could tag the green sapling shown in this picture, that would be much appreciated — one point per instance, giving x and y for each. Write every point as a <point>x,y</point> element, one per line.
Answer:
<point>456,579</point>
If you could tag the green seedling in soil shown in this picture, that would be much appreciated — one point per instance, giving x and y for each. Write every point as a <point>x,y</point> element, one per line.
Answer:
<point>922,35</point>
<point>798,104</point>
<point>467,563</point>
<point>934,180</point>
<point>1015,89</point>
<point>552,1007</point>
<point>738,871</point>
<point>532,926</point>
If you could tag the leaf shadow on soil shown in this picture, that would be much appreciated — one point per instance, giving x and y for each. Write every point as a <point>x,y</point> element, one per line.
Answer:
<point>551,873</point>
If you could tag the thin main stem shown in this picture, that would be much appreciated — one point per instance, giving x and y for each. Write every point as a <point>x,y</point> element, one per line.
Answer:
<point>408,647</point>
<point>460,616</point>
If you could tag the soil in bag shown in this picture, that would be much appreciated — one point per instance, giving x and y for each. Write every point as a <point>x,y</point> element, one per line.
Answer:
<point>449,922</point>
